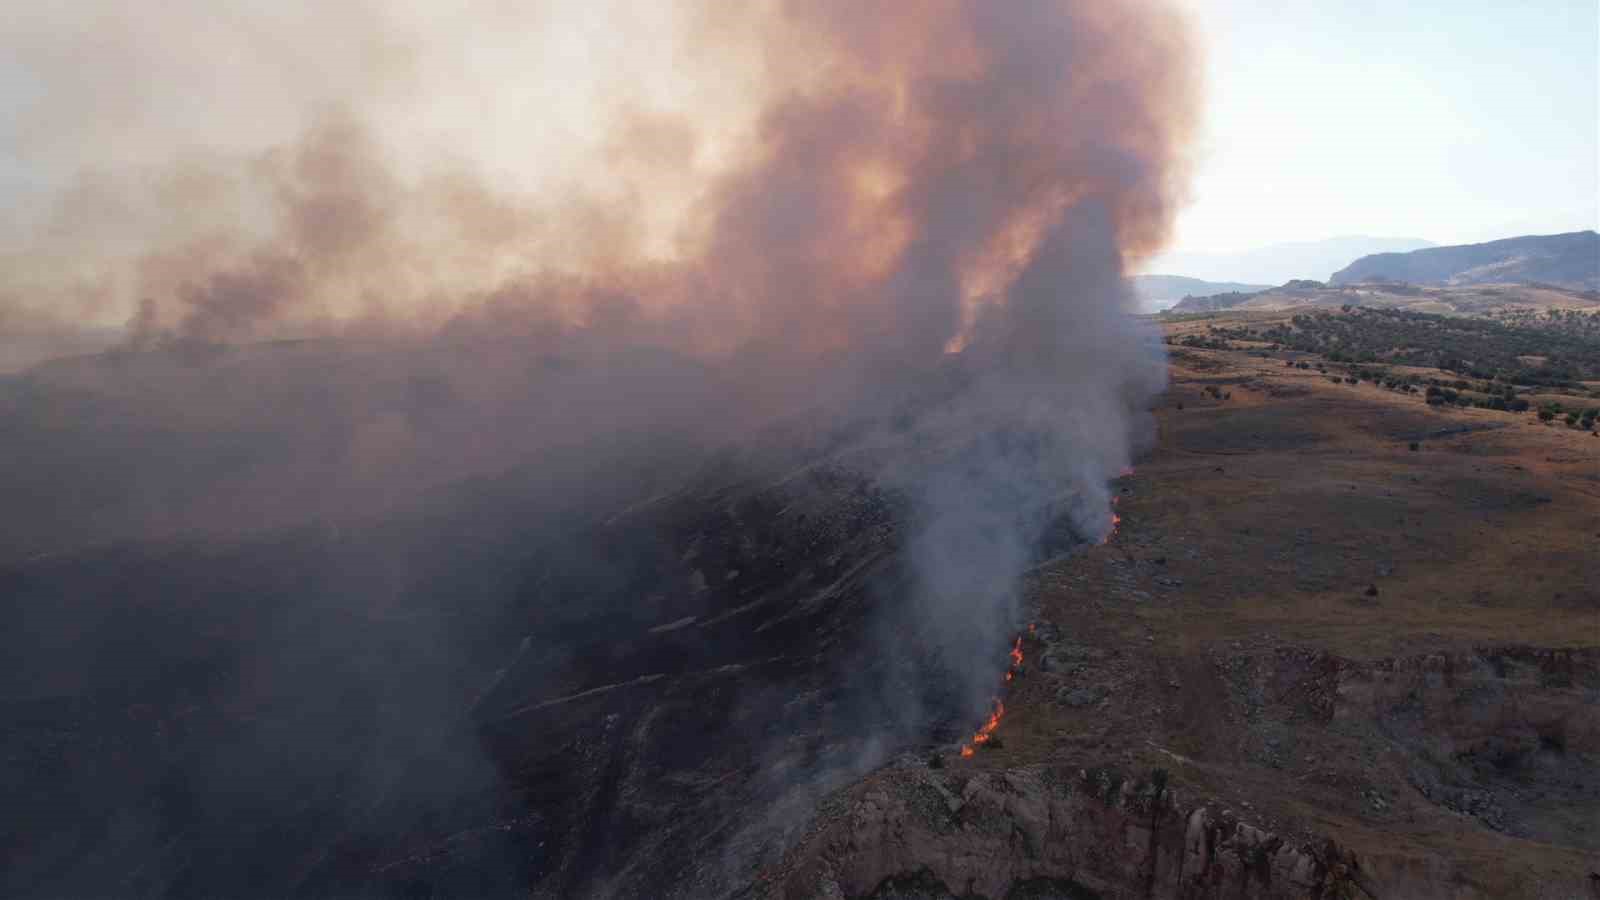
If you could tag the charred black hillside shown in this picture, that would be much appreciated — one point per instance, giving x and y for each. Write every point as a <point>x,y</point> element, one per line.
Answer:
<point>463,699</point>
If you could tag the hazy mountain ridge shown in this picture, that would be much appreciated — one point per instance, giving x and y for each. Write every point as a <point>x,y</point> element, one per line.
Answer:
<point>1160,291</point>
<point>1278,263</point>
<point>1570,260</point>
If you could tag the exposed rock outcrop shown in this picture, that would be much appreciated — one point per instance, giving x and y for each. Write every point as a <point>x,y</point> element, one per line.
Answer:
<point>912,832</point>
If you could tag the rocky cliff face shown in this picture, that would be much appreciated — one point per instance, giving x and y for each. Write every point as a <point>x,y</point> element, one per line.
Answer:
<point>1500,740</point>
<point>916,832</point>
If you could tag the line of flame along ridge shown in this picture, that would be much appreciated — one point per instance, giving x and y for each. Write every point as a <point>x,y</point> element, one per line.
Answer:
<point>987,730</point>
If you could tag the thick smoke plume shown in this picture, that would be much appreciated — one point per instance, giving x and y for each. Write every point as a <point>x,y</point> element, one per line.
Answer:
<point>817,202</point>
<point>343,254</point>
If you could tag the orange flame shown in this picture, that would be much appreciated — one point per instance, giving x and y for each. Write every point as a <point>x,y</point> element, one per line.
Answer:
<point>982,735</point>
<point>1116,520</point>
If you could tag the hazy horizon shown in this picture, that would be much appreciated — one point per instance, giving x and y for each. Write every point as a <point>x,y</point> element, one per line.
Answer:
<point>1318,121</point>
<point>1454,123</point>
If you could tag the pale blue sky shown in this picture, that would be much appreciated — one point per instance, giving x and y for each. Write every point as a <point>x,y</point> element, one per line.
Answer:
<point>1449,120</point>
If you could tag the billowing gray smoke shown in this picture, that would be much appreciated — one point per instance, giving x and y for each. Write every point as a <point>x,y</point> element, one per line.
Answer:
<point>1051,413</point>
<point>348,257</point>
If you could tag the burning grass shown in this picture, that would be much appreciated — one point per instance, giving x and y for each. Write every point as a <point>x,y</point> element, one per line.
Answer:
<point>985,733</point>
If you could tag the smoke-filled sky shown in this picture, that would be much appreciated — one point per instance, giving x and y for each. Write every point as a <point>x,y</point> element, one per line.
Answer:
<point>1445,120</point>
<point>568,225</point>
<point>355,257</point>
<point>425,156</point>
<point>1448,122</point>
<point>358,258</point>
<point>817,203</point>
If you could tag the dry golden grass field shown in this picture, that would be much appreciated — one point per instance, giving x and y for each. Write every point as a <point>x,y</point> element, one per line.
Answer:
<point>1335,634</point>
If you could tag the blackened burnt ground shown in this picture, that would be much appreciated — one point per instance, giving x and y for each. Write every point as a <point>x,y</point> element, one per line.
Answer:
<point>487,694</point>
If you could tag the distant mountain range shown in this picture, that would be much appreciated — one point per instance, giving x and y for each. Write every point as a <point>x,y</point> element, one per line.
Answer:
<point>1278,263</point>
<point>1157,292</point>
<point>1570,260</point>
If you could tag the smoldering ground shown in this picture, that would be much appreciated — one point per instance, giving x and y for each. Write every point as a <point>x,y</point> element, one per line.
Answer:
<point>407,457</point>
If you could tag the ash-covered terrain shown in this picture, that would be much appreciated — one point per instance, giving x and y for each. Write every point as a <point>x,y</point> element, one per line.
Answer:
<point>470,696</point>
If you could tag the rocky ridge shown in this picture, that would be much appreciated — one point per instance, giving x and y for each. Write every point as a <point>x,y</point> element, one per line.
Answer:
<point>1047,831</point>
